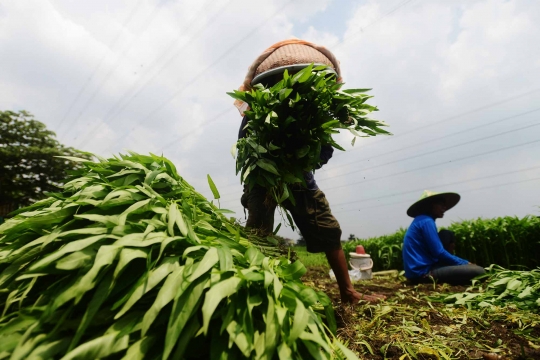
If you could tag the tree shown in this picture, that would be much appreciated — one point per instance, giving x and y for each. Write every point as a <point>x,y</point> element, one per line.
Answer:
<point>352,237</point>
<point>28,160</point>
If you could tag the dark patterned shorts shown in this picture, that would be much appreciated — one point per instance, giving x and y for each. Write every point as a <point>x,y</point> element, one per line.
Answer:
<point>311,214</point>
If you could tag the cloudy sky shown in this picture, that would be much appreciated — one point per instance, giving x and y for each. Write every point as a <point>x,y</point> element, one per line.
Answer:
<point>457,81</point>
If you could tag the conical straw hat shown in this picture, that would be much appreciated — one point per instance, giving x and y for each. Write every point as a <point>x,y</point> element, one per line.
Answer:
<point>291,57</point>
<point>292,54</point>
<point>419,207</point>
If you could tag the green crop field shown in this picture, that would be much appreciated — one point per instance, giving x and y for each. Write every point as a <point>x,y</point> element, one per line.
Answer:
<point>505,241</point>
<point>129,261</point>
<point>496,318</point>
<point>309,259</point>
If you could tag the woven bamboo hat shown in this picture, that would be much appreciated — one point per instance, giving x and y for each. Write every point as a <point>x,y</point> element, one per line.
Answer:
<point>426,199</point>
<point>292,58</point>
<point>292,55</point>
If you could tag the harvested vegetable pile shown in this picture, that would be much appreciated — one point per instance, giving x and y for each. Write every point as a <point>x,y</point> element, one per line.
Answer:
<point>129,261</point>
<point>289,122</point>
<point>410,325</point>
<point>501,287</point>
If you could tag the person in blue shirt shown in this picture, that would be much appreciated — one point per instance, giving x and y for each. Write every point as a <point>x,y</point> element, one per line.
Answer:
<point>424,256</point>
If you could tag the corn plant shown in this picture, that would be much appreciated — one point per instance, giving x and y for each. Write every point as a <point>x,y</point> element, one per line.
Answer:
<point>505,241</point>
<point>501,287</point>
<point>290,121</point>
<point>128,261</point>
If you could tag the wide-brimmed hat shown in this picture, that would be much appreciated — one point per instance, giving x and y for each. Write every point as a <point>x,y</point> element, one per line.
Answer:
<point>291,55</point>
<point>427,198</point>
<point>292,58</point>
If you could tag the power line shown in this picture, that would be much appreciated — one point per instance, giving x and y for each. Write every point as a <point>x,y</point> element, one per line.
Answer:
<point>436,139</point>
<point>193,80</point>
<point>435,186</point>
<point>453,117</point>
<point>402,4</point>
<point>430,152</point>
<point>438,164</point>
<point>113,43</point>
<point>433,165</point>
<point>362,29</point>
<point>462,191</point>
<point>204,71</point>
<point>117,63</point>
<point>184,135</point>
<point>415,145</point>
<point>334,205</point>
<point>111,115</point>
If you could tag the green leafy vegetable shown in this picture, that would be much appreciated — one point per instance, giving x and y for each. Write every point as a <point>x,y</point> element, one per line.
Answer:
<point>289,122</point>
<point>133,263</point>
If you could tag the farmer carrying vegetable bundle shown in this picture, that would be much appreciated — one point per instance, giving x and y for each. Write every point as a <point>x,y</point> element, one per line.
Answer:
<point>425,256</point>
<point>291,104</point>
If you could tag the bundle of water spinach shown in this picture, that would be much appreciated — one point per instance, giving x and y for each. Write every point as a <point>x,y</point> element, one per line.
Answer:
<point>129,261</point>
<point>289,123</point>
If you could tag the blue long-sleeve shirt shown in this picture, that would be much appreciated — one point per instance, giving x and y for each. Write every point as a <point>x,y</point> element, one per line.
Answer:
<point>422,249</point>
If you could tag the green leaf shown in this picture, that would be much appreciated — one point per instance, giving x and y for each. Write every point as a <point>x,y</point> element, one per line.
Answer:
<point>73,246</point>
<point>304,74</point>
<point>101,294</point>
<point>104,257</point>
<point>213,187</point>
<point>127,255</point>
<point>285,194</point>
<point>76,260</point>
<point>300,320</point>
<point>225,259</point>
<point>183,309</point>
<point>284,351</point>
<point>171,288</point>
<point>294,271</point>
<point>214,296</point>
<point>208,261</point>
<point>238,336</point>
<point>133,208</point>
<point>154,278</point>
<point>188,333</point>
<point>49,350</point>
<point>349,355</point>
<point>254,256</point>
<point>173,214</point>
<point>513,284</point>
<point>284,94</point>
<point>356,91</point>
<point>140,350</point>
<point>268,166</point>
<point>526,292</point>
<point>98,348</point>
<point>302,152</point>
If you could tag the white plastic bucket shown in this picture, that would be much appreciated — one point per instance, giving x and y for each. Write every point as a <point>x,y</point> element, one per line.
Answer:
<point>362,263</point>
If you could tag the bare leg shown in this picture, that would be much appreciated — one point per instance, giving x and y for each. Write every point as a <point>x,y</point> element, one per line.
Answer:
<point>338,263</point>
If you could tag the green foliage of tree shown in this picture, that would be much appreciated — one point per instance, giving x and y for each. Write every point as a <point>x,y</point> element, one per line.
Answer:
<point>28,159</point>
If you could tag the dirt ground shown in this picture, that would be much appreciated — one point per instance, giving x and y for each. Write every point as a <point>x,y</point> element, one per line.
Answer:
<point>409,325</point>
